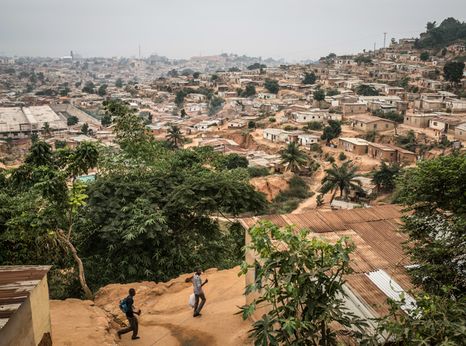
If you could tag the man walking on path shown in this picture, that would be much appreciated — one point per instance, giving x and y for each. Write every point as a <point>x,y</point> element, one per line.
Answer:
<point>130,311</point>
<point>198,292</point>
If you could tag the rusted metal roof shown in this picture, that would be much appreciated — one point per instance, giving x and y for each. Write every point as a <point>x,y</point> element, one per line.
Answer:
<point>16,283</point>
<point>374,231</point>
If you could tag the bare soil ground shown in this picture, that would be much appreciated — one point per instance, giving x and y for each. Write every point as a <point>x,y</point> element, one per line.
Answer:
<point>166,318</point>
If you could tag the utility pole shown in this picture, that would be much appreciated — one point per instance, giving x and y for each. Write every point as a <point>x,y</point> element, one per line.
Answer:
<point>384,39</point>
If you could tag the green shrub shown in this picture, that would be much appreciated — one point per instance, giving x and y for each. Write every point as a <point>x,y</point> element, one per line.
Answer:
<point>255,171</point>
<point>342,156</point>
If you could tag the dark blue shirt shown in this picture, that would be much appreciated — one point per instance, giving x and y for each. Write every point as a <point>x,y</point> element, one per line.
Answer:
<point>129,306</point>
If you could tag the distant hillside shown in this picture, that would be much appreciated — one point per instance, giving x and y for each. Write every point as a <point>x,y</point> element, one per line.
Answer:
<point>449,31</point>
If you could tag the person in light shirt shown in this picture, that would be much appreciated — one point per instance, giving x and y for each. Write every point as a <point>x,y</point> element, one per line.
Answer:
<point>198,292</point>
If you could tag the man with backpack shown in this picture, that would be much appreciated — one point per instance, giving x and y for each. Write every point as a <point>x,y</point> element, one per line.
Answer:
<point>198,292</point>
<point>126,305</point>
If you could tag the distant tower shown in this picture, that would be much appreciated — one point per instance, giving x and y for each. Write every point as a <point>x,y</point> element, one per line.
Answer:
<point>139,47</point>
<point>71,54</point>
<point>384,39</point>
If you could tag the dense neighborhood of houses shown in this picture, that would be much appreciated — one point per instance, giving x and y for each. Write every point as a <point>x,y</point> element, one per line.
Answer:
<point>54,98</point>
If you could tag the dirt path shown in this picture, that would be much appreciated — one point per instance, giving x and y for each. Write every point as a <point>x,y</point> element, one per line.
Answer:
<point>310,203</point>
<point>166,318</point>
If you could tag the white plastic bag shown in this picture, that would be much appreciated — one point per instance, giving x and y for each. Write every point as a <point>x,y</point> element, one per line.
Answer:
<point>192,300</point>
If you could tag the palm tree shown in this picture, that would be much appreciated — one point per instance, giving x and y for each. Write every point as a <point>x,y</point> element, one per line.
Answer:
<point>341,178</point>
<point>47,130</point>
<point>174,136</point>
<point>293,158</point>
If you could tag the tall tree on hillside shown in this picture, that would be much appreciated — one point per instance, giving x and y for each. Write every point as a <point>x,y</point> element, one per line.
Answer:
<point>309,78</point>
<point>341,178</point>
<point>453,71</point>
<point>293,157</point>
<point>434,190</point>
<point>385,176</point>
<point>272,86</point>
<point>331,131</point>
<point>174,136</point>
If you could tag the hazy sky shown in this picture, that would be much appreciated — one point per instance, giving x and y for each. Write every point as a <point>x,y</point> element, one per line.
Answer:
<point>292,29</point>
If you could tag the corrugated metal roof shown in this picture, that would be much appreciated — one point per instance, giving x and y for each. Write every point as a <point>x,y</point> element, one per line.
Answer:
<point>368,293</point>
<point>374,231</point>
<point>16,283</point>
<point>391,289</point>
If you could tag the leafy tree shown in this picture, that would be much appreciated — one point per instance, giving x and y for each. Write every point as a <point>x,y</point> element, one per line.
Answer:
<point>293,157</point>
<point>434,193</point>
<point>436,320</point>
<point>272,86</point>
<point>72,120</point>
<point>393,116</point>
<point>232,161</point>
<point>320,200</point>
<point>119,83</point>
<point>89,87</point>
<point>256,66</point>
<point>42,209</point>
<point>314,126</point>
<point>196,75</point>
<point>174,136</point>
<point>301,280</point>
<point>404,82</point>
<point>85,129</point>
<point>309,78</point>
<point>363,60</point>
<point>434,190</point>
<point>366,90</point>
<point>331,131</point>
<point>319,95</point>
<point>453,71</point>
<point>448,32</point>
<point>249,91</point>
<point>215,105</point>
<point>255,171</point>
<point>385,176</point>
<point>333,92</point>
<point>343,178</point>
<point>179,98</point>
<point>102,91</point>
<point>424,56</point>
<point>40,154</point>
<point>63,92</point>
<point>106,120</point>
<point>407,141</point>
<point>251,124</point>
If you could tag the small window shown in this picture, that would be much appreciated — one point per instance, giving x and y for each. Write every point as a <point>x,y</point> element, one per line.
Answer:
<point>375,126</point>
<point>386,126</point>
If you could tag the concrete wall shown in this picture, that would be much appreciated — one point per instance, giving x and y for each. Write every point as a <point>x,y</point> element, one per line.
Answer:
<point>30,324</point>
<point>352,148</point>
<point>415,121</point>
